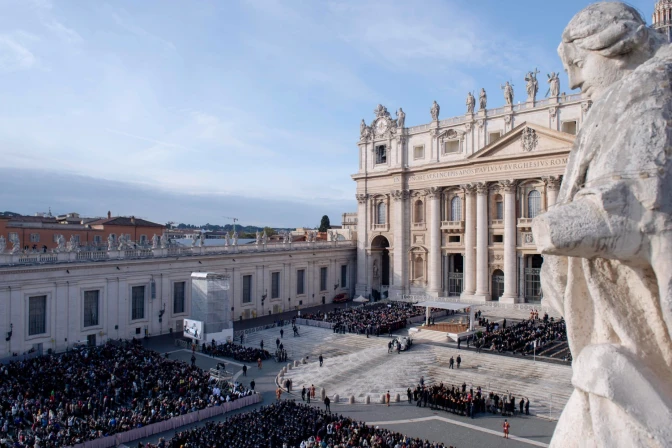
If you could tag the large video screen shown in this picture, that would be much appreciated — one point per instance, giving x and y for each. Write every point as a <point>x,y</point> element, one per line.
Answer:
<point>193,329</point>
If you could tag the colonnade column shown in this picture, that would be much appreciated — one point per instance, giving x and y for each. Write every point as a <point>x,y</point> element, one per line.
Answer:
<point>362,286</point>
<point>399,273</point>
<point>469,241</point>
<point>552,188</point>
<point>482,242</point>
<point>434,265</point>
<point>510,270</point>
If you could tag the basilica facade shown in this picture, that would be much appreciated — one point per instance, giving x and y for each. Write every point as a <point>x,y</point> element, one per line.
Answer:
<point>445,208</point>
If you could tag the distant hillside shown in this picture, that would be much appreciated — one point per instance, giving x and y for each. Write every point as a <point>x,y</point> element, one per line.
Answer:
<point>9,214</point>
<point>227,228</point>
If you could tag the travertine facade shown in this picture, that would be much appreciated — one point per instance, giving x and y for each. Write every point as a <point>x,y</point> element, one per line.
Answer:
<point>445,208</point>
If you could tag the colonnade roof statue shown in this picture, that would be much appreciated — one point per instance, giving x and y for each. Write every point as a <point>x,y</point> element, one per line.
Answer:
<point>607,243</point>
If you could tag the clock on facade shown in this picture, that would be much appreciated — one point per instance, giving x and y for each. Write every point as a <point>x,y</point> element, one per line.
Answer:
<point>381,127</point>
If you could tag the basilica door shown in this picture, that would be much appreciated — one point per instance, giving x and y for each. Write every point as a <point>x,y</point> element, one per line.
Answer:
<point>497,284</point>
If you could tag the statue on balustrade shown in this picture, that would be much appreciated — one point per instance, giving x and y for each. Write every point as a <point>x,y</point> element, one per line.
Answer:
<point>554,84</point>
<point>60,241</point>
<point>401,118</point>
<point>122,242</point>
<point>235,238</point>
<point>227,239</point>
<point>201,240</point>
<point>110,242</point>
<point>482,99</point>
<point>264,238</point>
<point>508,93</point>
<point>435,111</point>
<point>164,241</point>
<point>16,243</point>
<point>532,85</point>
<point>3,244</point>
<point>72,244</point>
<point>257,240</point>
<point>607,241</point>
<point>471,103</point>
<point>155,241</point>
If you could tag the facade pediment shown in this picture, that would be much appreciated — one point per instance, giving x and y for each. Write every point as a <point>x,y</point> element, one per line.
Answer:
<point>526,138</point>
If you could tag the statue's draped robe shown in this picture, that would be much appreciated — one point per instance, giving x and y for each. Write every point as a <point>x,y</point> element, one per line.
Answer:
<point>611,233</point>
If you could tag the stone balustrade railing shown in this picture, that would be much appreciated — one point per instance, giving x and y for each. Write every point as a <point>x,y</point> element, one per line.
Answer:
<point>31,258</point>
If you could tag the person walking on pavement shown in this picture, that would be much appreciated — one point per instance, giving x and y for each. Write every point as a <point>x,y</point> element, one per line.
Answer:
<point>282,333</point>
<point>312,391</point>
<point>241,339</point>
<point>409,395</point>
<point>398,348</point>
<point>459,341</point>
<point>261,344</point>
<point>459,361</point>
<point>278,393</point>
<point>389,347</point>
<point>527,406</point>
<point>506,426</point>
<point>308,396</point>
<point>303,394</point>
<point>259,363</point>
<point>522,404</point>
<point>244,370</point>
<point>387,398</point>
<point>193,360</point>
<point>321,360</point>
<point>451,363</point>
<point>277,343</point>
<point>252,385</point>
<point>327,401</point>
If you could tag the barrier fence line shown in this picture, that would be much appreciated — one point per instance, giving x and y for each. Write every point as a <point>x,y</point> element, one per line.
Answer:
<point>170,424</point>
<point>487,304</point>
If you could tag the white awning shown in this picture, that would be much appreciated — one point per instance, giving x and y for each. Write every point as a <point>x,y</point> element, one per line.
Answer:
<point>446,305</point>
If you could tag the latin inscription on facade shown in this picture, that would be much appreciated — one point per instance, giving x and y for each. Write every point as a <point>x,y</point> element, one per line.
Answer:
<point>464,172</point>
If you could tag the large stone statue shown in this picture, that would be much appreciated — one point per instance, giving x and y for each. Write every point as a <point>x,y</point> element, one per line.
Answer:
<point>471,103</point>
<point>73,245</point>
<point>16,243</point>
<point>3,244</point>
<point>554,84</point>
<point>435,111</point>
<point>227,239</point>
<point>508,93</point>
<point>110,242</point>
<point>60,241</point>
<point>164,241</point>
<point>264,238</point>
<point>607,241</point>
<point>155,241</point>
<point>401,118</point>
<point>482,99</point>
<point>257,240</point>
<point>235,238</point>
<point>532,86</point>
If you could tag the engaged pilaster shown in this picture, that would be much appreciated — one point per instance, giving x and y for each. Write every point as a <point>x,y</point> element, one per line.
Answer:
<point>434,266</point>
<point>510,276</point>
<point>482,242</point>
<point>469,241</point>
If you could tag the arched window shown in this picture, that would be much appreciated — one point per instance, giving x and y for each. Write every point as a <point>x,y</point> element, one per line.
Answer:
<point>381,213</point>
<point>418,212</point>
<point>418,267</point>
<point>456,209</point>
<point>533,204</point>
<point>499,207</point>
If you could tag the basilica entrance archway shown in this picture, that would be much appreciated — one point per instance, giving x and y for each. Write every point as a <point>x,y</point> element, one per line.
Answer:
<point>380,267</point>
<point>533,278</point>
<point>497,284</point>
<point>455,274</point>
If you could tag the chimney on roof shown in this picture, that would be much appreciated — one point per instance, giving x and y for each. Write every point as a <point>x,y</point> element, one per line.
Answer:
<point>132,219</point>
<point>109,214</point>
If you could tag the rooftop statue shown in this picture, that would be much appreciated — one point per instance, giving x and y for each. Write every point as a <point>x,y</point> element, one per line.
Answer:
<point>435,111</point>
<point>607,242</point>
<point>471,103</point>
<point>482,99</point>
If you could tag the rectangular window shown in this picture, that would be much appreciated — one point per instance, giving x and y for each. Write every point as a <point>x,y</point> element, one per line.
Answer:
<point>143,239</point>
<point>34,237</point>
<point>569,127</point>
<point>76,238</point>
<point>91,308</point>
<point>419,152</point>
<point>454,238</point>
<point>275,285</point>
<point>381,154</point>
<point>300,281</point>
<point>493,137</point>
<point>137,302</point>
<point>451,147</point>
<point>97,239</point>
<point>323,279</point>
<point>247,288</point>
<point>178,297</point>
<point>497,239</point>
<point>499,210</point>
<point>37,315</point>
<point>344,276</point>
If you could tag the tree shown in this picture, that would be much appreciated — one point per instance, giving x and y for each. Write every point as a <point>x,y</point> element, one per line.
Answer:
<point>324,224</point>
<point>269,232</point>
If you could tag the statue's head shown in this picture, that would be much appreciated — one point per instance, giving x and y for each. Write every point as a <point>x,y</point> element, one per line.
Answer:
<point>603,43</point>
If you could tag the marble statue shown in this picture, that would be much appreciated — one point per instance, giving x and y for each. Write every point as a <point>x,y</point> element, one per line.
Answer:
<point>16,243</point>
<point>235,238</point>
<point>401,118</point>
<point>332,235</point>
<point>471,103</point>
<point>508,93</point>
<point>554,84</point>
<point>3,244</point>
<point>264,238</point>
<point>435,111</point>
<point>201,240</point>
<point>122,242</point>
<point>72,244</point>
<point>60,242</point>
<point>257,240</point>
<point>194,238</point>
<point>608,239</point>
<point>155,241</point>
<point>227,239</point>
<point>110,242</point>
<point>164,241</point>
<point>376,273</point>
<point>532,86</point>
<point>362,128</point>
<point>482,99</point>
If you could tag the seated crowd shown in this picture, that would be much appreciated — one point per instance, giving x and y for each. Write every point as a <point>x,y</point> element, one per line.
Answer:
<point>520,337</point>
<point>235,351</point>
<point>287,424</point>
<point>466,402</point>
<point>374,319</point>
<point>62,400</point>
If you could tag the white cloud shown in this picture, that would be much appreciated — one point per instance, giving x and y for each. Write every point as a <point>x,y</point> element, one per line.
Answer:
<point>63,32</point>
<point>14,56</point>
<point>126,23</point>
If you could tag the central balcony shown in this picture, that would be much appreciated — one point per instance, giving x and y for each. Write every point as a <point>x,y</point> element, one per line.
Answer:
<point>452,226</point>
<point>525,223</point>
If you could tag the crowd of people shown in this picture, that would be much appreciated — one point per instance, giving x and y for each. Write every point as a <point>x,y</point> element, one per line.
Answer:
<point>376,319</point>
<point>93,392</point>
<point>520,337</point>
<point>236,351</point>
<point>288,424</point>
<point>466,402</point>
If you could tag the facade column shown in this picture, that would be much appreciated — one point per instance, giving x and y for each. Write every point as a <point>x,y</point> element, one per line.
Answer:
<point>434,223</point>
<point>469,241</point>
<point>398,272</point>
<point>482,242</point>
<point>552,189</point>
<point>362,286</point>
<point>510,270</point>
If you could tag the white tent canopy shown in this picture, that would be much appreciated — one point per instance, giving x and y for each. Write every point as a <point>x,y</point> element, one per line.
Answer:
<point>450,306</point>
<point>361,299</point>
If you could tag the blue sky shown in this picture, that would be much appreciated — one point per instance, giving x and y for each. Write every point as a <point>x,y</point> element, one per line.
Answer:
<point>248,108</point>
